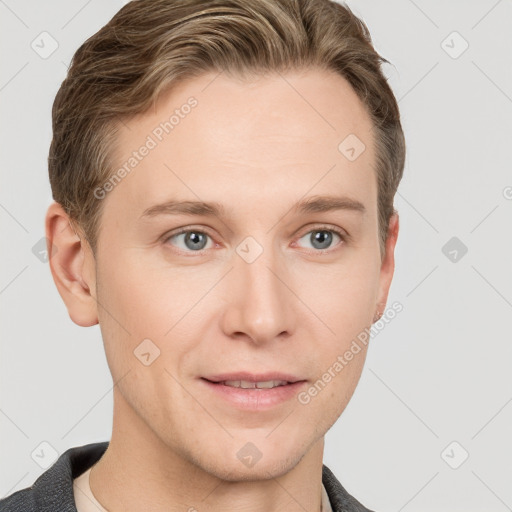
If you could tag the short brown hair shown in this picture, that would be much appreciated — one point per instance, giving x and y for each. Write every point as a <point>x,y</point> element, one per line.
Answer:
<point>149,45</point>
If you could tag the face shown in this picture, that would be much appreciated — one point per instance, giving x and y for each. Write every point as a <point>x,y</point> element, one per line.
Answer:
<point>242,245</point>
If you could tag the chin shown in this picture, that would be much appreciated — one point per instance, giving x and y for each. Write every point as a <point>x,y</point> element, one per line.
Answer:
<point>243,461</point>
<point>262,470</point>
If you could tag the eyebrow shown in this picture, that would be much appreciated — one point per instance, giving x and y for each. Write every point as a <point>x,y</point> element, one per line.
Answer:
<point>315,204</point>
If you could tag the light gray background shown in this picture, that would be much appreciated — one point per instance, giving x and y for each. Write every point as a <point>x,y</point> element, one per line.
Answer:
<point>438,373</point>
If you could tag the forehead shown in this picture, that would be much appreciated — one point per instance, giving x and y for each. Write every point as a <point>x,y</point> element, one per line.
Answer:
<point>219,138</point>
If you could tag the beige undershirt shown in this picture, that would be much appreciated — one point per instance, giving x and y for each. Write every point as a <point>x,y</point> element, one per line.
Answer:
<point>86,502</point>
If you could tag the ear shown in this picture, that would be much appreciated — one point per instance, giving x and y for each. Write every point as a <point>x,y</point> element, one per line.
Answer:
<point>388,265</point>
<point>72,265</point>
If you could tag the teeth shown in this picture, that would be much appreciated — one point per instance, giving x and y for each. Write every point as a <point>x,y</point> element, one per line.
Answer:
<point>245,384</point>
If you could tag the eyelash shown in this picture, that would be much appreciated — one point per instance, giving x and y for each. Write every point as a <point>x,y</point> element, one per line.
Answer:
<point>343,237</point>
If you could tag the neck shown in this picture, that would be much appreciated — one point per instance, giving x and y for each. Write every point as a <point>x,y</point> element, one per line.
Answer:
<point>139,472</point>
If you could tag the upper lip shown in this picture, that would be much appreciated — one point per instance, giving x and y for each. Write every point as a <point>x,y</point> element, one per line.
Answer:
<point>253,377</point>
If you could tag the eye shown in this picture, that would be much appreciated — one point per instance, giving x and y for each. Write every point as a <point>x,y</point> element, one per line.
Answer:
<point>322,238</point>
<point>191,240</point>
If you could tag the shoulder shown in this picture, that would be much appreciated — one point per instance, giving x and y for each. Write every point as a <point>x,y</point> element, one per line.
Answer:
<point>53,490</point>
<point>340,499</point>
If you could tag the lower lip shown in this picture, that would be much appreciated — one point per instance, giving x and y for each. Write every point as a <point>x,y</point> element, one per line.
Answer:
<point>255,398</point>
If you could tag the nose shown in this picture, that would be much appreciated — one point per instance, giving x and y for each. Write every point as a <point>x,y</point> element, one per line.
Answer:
<point>260,304</point>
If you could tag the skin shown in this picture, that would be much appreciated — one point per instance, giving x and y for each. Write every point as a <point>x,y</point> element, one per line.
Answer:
<point>257,147</point>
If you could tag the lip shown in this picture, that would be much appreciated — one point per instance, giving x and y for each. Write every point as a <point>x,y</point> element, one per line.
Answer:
<point>253,399</point>
<point>253,377</point>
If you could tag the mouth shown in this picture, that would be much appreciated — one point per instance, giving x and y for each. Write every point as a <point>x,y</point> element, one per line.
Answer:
<point>255,392</point>
<point>248,380</point>
<point>247,384</point>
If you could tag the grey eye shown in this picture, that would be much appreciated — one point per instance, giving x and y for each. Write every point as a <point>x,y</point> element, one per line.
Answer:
<point>320,238</point>
<point>191,240</point>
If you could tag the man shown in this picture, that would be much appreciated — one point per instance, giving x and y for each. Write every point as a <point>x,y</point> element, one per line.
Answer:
<point>223,175</point>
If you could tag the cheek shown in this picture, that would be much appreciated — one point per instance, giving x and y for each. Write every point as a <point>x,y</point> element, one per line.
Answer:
<point>146,298</point>
<point>335,383</point>
<point>341,297</point>
<point>343,301</point>
<point>148,309</point>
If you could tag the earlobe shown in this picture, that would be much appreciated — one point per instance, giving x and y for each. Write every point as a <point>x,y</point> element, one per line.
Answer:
<point>72,266</point>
